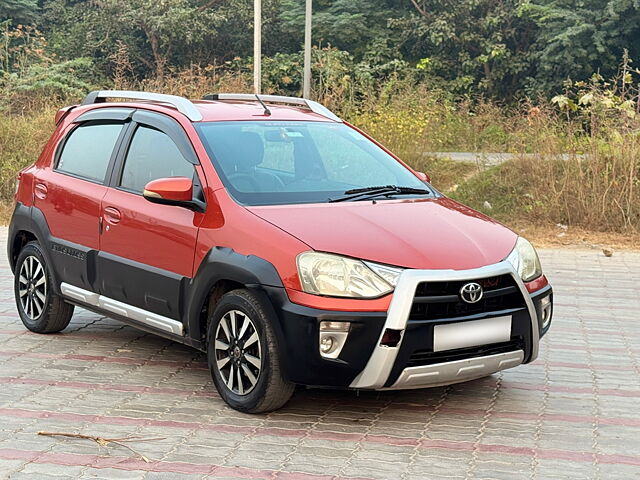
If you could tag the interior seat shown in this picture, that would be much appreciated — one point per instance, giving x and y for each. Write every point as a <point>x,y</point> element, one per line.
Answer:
<point>248,153</point>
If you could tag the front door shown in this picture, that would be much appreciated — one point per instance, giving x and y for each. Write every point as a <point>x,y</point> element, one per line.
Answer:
<point>146,249</point>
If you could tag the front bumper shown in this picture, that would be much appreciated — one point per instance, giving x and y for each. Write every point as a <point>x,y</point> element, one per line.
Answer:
<point>379,372</point>
<point>299,330</point>
<point>366,362</point>
<point>456,371</point>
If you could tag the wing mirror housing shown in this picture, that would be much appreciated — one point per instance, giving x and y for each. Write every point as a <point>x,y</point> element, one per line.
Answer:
<point>424,177</point>
<point>173,191</point>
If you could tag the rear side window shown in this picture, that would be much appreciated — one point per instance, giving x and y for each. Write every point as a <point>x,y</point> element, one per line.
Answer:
<point>88,149</point>
<point>152,155</point>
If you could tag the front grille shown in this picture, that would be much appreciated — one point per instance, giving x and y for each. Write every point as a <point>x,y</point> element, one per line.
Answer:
<point>428,357</point>
<point>440,300</point>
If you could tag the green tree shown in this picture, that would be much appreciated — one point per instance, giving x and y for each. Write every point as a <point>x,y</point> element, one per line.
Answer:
<point>19,11</point>
<point>498,48</point>
<point>156,33</point>
<point>352,25</point>
<point>576,39</point>
<point>480,44</point>
<point>232,35</point>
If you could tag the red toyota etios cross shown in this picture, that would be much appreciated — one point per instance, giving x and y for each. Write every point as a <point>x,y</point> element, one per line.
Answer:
<point>283,242</point>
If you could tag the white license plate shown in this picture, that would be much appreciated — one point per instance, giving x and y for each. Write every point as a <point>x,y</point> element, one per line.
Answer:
<point>470,334</point>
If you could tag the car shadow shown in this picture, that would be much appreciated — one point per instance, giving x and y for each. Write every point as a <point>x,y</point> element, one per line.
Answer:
<point>353,406</point>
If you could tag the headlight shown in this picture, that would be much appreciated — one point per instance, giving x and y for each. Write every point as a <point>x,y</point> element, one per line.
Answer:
<point>525,260</point>
<point>389,274</point>
<point>337,276</point>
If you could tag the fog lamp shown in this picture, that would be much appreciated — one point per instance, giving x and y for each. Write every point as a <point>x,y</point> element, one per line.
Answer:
<point>333,336</point>
<point>326,344</point>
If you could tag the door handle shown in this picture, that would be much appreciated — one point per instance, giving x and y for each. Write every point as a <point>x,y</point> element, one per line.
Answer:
<point>41,191</point>
<point>112,215</point>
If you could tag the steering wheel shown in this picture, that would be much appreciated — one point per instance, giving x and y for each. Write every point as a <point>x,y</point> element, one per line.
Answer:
<point>279,183</point>
<point>243,177</point>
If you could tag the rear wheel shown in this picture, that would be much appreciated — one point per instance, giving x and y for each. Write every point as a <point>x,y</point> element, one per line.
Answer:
<point>40,309</point>
<point>243,356</point>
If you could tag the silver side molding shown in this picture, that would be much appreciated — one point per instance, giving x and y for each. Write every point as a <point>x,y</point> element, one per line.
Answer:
<point>123,309</point>
<point>79,294</point>
<point>378,368</point>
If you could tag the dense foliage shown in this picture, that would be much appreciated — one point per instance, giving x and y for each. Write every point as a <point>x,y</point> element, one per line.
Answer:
<point>503,50</point>
<point>420,75</point>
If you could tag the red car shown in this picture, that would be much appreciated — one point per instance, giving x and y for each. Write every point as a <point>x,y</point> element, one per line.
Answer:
<point>283,242</point>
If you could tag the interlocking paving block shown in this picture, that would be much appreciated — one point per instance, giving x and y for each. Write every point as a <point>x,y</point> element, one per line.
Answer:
<point>572,414</point>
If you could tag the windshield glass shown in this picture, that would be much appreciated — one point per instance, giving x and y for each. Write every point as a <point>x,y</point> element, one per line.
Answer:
<point>267,163</point>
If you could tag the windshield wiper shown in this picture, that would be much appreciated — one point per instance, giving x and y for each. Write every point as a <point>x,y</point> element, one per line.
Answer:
<point>368,192</point>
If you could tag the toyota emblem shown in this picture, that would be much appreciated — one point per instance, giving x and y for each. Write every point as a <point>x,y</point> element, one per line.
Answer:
<point>471,292</point>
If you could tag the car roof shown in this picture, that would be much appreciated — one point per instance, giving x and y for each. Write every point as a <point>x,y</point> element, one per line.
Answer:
<point>218,111</point>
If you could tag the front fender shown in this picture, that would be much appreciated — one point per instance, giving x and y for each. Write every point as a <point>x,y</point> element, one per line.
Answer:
<point>223,263</point>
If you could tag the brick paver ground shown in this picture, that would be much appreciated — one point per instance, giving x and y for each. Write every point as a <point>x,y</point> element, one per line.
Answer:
<point>574,413</point>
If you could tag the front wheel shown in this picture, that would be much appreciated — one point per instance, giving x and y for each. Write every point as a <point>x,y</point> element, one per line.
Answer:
<point>40,309</point>
<point>243,355</point>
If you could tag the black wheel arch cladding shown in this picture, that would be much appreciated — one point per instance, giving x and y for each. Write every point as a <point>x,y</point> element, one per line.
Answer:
<point>31,220</point>
<point>220,263</point>
<point>299,357</point>
<point>225,264</point>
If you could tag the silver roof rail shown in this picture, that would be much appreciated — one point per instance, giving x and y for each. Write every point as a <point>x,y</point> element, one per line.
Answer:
<point>183,105</point>
<point>315,107</point>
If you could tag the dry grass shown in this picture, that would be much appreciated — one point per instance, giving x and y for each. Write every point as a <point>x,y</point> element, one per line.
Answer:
<point>580,169</point>
<point>552,236</point>
<point>194,82</point>
<point>6,209</point>
<point>595,188</point>
<point>22,138</point>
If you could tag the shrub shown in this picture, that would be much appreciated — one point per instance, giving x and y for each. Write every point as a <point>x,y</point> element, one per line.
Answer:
<point>585,167</point>
<point>30,79</point>
<point>21,141</point>
<point>576,161</point>
<point>45,84</point>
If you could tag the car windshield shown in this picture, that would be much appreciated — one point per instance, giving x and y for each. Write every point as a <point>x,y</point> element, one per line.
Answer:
<point>269,163</point>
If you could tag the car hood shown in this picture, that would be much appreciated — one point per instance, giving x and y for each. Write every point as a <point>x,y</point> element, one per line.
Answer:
<point>435,233</point>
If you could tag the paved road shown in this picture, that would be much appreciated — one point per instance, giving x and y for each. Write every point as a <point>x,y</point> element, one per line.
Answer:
<point>573,414</point>
<point>487,158</point>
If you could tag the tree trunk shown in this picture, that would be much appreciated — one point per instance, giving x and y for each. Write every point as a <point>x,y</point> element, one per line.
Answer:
<point>159,59</point>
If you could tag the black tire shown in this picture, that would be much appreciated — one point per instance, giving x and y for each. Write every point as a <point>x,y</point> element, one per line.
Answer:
<point>40,309</point>
<point>270,390</point>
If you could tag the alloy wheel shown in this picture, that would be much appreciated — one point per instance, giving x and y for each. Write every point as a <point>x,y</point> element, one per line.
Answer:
<point>238,354</point>
<point>32,287</point>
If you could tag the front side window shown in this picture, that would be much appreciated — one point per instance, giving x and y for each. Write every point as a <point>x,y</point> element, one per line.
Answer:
<point>266,163</point>
<point>152,155</point>
<point>87,151</point>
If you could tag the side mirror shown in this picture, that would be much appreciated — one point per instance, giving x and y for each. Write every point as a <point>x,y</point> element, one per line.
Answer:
<point>424,177</point>
<point>172,191</point>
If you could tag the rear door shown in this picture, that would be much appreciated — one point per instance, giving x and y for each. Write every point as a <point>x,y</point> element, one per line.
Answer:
<point>69,192</point>
<point>146,249</point>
